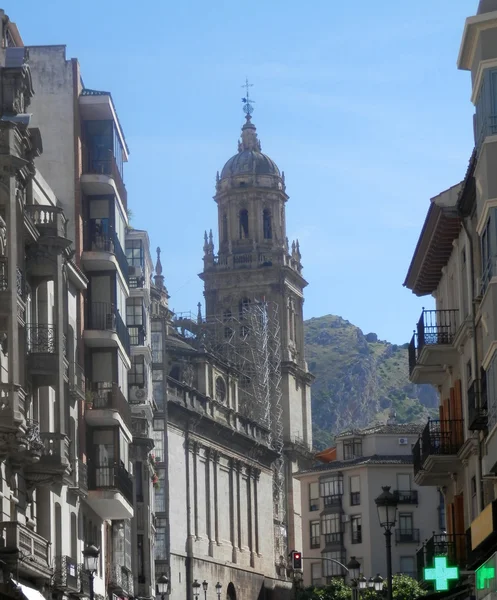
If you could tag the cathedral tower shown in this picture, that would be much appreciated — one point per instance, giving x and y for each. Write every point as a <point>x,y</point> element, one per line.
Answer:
<point>256,264</point>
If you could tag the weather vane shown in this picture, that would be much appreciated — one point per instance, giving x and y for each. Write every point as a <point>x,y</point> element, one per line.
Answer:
<point>248,109</point>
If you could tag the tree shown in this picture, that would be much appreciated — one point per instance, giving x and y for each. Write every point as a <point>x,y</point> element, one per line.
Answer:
<point>403,588</point>
<point>335,590</point>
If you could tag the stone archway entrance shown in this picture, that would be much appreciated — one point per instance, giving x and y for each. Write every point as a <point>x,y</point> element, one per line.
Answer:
<point>231,592</point>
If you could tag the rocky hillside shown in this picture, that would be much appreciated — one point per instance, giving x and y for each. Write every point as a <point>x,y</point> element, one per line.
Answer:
<point>359,379</point>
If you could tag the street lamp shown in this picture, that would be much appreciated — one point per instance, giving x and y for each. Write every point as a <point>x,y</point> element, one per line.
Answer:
<point>218,590</point>
<point>370,583</point>
<point>363,583</point>
<point>90,563</point>
<point>386,504</point>
<point>205,585</point>
<point>196,589</point>
<point>162,585</point>
<point>354,566</point>
<point>378,583</point>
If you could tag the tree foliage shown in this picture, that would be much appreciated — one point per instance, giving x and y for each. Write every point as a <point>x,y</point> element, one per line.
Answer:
<point>403,588</point>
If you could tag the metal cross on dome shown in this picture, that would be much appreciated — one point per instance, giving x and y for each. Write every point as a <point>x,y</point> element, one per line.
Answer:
<point>248,109</point>
<point>441,573</point>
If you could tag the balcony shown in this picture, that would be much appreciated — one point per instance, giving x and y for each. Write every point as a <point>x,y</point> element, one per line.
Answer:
<point>55,462</point>
<point>101,176</point>
<point>477,405</point>
<point>453,546</point>
<point>105,327</point>
<point>13,402</point>
<point>77,381</point>
<point>66,574</point>
<point>140,428</point>
<point>120,580</point>
<point>5,289</point>
<point>334,539</point>
<point>51,224</point>
<point>431,348</point>
<point>332,503</point>
<point>84,582</point>
<point>356,537</point>
<point>136,335</point>
<point>435,453</point>
<point>406,536</point>
<point>43,356</point>
<point>107,406</point>
<point>79,478</point>
<point>22,542</point>
<point>110,492</point>
<point>316,542</point>
<point>103,252</point>
<point>406,496</point>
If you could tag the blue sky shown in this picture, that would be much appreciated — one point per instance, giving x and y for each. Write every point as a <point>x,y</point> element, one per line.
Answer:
<point>360,103</point>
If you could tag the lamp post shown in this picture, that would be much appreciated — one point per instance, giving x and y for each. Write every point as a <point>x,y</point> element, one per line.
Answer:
<point>218,590</point>
<point>196,589</point>
<point>354,567</point>
<point>205,585</point>
<point>162,585</point>
<point>386,504</point>
<point>378,583</point>
<point>90,560</point>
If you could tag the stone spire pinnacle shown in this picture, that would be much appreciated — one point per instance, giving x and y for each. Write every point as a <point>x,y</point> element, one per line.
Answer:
<point>158,277</point>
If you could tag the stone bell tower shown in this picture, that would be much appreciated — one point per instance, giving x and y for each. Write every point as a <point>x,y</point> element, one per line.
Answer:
<point>255,263</point>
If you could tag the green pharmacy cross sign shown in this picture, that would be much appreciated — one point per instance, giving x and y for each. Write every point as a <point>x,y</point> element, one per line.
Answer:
<point>483,576</point>
<point>441,573</point>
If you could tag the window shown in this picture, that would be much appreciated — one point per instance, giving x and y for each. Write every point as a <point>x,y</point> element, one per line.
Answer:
<point>160,492</point>
<point>332,528</point>
<point>136,375</point>
<point>225,228</point>
<point>405,522</point>
<point>267,227</point>
<point>441,513</point>
<point>407,566</point>
<point>491,383</point>
<point>486,107</point>
<point>134,253</point>
<point>158,437</point>
<point>352,448</point>
<point>244,224</point>
<point>139,481</point>
<point>156,341</point>
<point>356,529</point>
<point>331,568</point>
<point>332,491</point>
<point>474,504</point>
<point>355,490</point>
<point>488,248</point>
<point>243,307</point>
<point>314,496</point>
<point>316,573</point>
<point>158,387</point>
<point>220,389</point>
<point>141,556</point>
<point>315,534</point>
<point>121,543</point>
<point>160,540</point>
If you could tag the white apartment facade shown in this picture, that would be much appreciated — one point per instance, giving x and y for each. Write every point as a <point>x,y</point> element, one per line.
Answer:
<point>339,514</point>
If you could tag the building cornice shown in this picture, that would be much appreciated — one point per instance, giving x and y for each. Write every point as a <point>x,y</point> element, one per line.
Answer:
<point>472,29</point>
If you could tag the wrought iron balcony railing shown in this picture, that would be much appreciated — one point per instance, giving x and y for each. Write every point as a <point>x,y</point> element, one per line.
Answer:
<point>406,536</point>
<point>406,496</point>
<point>104,316</point>
<point>42,339</point>
<point>56,446</point>
<point>315,541</point>
<point>356,537</point>
<point>477,405</point>
<point>77,380</point>
<point>66,573</point>
<point>79,476</point>
<point>443,438</point>
<point>435,327</point>
<point>109,242</point>
<point>108,395</point>
<point>121,579</point>
<point>454,546</point>
<point>114,477</point>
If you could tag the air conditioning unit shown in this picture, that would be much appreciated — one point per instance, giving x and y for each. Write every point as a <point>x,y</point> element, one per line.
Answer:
<point>403,441</point>
<point>345,518</point>
<point>137,395</point>
<point>110,321</point>
<point>135,271</point>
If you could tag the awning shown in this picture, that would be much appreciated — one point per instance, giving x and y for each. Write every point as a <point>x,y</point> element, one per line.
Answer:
<point>29,592</point>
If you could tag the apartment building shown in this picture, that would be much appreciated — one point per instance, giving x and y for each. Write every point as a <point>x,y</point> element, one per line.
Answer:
<point>454,345</point>
<point>339,513</point>
<point>76,278</point>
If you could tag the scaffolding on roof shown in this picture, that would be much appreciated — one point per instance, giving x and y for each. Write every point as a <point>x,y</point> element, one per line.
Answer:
<point>251,342</point>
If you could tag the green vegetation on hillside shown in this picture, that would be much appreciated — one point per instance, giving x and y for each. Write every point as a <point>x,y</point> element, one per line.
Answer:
<point>359,380</point>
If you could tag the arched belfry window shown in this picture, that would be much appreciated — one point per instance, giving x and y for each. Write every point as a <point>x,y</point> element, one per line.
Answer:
<point>243,307</point>
<point>225,228</point>
<point>244,224</point>
<point>266,224</point>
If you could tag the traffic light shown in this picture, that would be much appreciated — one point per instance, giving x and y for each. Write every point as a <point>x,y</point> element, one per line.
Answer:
<point>296,560</point>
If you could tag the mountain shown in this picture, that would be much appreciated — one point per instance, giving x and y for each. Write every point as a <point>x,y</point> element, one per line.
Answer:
<point>359,380</point>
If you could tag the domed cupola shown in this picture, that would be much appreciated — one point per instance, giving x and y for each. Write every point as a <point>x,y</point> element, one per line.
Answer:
<point>250,167</point>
